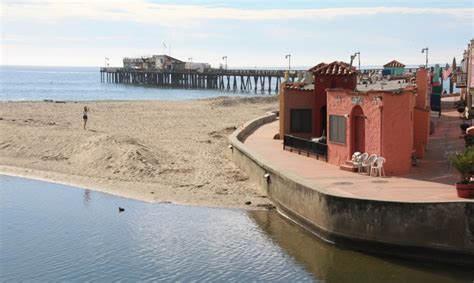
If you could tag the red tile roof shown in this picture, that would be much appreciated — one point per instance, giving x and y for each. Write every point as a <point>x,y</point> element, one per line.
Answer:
<point>336,68</point>
<point>317,66</point>
<point>299,86</point>
<point>394,63</point>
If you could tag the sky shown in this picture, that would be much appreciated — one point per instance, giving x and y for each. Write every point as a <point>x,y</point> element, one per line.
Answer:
<point>250,33</point>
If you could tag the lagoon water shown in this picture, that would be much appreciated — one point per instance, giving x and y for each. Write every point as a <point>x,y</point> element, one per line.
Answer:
<point>51,232</point>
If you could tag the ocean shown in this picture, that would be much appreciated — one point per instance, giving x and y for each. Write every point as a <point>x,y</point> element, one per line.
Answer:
<point>24,83</point>
<point>21,83</point>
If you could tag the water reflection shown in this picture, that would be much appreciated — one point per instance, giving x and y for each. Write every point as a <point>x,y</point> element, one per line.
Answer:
<point>333,264</point>
<point>51,232</point>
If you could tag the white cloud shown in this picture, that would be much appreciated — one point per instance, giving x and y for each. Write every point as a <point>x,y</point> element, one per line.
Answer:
<point>192,33</point>
<point>144,12</point>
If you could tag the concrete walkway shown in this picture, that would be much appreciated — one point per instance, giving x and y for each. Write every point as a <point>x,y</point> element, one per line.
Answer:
<point>432,181</point>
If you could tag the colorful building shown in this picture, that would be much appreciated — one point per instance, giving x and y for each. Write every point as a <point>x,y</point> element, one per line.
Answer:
<point>304,104</point>
<point>387,118</point>
<point>394,68</point>
<point>383,120</point>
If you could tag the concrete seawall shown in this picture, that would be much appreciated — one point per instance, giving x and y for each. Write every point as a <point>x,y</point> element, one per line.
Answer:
<point>438,231</point>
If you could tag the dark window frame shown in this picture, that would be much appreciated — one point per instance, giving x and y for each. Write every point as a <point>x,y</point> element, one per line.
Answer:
<point>299,122</point>
<point>337,129</point>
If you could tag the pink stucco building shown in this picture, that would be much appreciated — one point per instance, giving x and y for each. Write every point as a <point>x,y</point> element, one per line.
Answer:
<point>390,119</point>
<point>387,118</point>
<point>310,99</point>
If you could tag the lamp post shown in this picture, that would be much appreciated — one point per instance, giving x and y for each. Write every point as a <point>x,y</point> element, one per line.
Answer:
<point>288,56</point>
<point>423,51</point>
<point>358,58</point>
<point>106,62</point>
<point>225,58</point>
<point>357,54</point>
<point>190,59</point>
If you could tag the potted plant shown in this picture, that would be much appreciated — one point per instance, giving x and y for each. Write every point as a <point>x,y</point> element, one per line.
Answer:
<point>464,163</point>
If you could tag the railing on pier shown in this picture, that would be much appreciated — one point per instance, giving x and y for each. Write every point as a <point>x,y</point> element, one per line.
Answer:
<point>320,150</point>
<point>211,71</point>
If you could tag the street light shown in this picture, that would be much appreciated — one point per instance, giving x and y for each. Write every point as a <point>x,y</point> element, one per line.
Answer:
<point>289,61</point>
<point>106,62</point>
<point>423,51</point>
<point>357,54</point>
<point>358,58</point>
<point>225,58</point>
<point>190,59</point>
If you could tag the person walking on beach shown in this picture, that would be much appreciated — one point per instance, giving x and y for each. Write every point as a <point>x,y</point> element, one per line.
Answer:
<point>84,115</point>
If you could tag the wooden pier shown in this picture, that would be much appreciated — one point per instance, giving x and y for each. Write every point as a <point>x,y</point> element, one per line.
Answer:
<point>264,81</point>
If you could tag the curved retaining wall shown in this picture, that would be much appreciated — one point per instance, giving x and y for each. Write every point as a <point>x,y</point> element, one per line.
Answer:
<point>442,231</point>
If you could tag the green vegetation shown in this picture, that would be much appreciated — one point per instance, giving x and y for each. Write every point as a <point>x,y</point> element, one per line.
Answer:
<point>464,163</point>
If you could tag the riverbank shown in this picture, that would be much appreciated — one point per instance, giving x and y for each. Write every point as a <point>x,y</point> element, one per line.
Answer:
<point>155,151</point>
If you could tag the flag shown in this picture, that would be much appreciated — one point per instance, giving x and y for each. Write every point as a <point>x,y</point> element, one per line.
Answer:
<point>447,73</point>
<point>164,45</point>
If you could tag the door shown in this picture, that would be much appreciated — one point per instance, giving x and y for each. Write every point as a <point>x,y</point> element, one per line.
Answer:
<point>358,126</point>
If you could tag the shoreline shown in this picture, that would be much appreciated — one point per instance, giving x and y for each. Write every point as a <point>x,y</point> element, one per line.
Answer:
<point>153,151</point>
<point>95,185</point>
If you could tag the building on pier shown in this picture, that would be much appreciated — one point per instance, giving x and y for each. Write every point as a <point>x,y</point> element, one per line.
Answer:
<point>155,62</point>
<point>200,67</point>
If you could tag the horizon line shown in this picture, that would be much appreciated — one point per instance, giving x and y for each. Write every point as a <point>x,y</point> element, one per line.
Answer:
<point>297,68</point>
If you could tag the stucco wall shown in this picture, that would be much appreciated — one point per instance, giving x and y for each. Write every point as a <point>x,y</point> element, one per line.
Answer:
<point>397,132</point>
<point>388,127</point>
<point>340,103</point>
<point>297,99</point>
<point>423,87</point>
<point>436,231</point>
<point>324,82</point>
<point>421,129</point>
<point>421,125</point>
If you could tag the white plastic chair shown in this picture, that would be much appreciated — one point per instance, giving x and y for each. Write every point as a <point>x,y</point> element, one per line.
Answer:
<point>377,167</point>
<point>360,159</point>
<point>355,156</point>
<point>368,163</point>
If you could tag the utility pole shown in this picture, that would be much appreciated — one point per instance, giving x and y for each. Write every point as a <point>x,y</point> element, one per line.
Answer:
<point>288,56</point>
<point>423,51</point>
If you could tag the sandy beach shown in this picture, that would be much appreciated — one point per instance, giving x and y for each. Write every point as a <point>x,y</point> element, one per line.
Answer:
<point>155,151</point>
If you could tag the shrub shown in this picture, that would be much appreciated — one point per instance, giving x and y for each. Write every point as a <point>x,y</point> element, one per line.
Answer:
<point>464,163</point>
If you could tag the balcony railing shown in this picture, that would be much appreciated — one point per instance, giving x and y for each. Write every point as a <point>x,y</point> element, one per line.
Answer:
<point>308,147</point>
